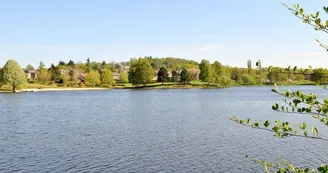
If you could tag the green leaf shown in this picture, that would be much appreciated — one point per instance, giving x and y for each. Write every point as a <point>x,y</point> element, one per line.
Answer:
<point>266,123</point>
<point>304,125</point>
<point>275,106</point>
<point>275,128</point>
<point>301,11</point>
<point>317,14</point>
<point>305,133</point>
<point>315,131</point>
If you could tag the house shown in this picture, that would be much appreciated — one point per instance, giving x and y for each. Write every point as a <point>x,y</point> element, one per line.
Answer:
<point>64,71</point>
<point>81,76</point>
<point>170,74</point>
<point>30,74</point>
<point>116,76</point>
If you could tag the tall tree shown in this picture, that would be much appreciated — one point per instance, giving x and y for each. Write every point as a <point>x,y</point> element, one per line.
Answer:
<point>259,71</point>
<point>42,75</point>
<point>13,74</point>
<point>41,65</point>
<point>249,66</point>
<point>107,77</point>
<point>61,63</point>
<point>54,73</point>
<point>175,76</point>
<point>162,75</point>
<point>185,76</point>
<point>123,78</point>
<point>103,64</point>
<point>88,62</point>
<point>72,77</point>
<point>206,72</point>
<point>71,63</point>
<point>92,78</point>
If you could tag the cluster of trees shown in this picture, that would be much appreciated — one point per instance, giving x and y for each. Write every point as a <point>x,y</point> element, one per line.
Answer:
<point>146,70</point>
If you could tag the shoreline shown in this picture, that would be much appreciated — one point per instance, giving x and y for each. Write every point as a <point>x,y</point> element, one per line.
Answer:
<point>147,87</point>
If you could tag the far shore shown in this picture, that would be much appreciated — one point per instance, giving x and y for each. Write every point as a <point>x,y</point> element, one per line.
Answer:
<point>146,87</point>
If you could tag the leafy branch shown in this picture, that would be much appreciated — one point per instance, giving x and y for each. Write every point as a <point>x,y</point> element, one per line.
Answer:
<point>281,129</point>
<point>311,19</point>
<point>284,166</point>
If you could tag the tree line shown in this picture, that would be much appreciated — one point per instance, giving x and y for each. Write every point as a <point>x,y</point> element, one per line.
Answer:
<point>146,70</point>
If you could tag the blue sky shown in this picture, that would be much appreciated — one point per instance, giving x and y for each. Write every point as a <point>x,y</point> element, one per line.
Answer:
<point>115,30</point>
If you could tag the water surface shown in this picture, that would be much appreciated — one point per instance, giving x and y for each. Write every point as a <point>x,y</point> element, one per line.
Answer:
<point>176,130</point>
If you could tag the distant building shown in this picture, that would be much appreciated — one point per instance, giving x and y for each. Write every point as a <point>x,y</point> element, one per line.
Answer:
<point>81,76</point>
<point>170,74</point>
<point>116,76</point>
<point>30,74</point>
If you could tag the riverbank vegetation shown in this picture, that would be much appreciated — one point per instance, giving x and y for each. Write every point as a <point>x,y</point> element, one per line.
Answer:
<point>146,72</point>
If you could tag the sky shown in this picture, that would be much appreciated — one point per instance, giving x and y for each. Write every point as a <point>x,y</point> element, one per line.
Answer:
<point>116,30</point>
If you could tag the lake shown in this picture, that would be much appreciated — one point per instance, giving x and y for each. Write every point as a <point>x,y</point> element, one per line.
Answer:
<point>176,130</point>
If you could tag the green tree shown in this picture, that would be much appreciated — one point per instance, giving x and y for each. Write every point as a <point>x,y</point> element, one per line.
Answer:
<point>249,66</point>
<point>104,65</point>
<point>185,76</point>
<point>107,77</point>
<point>61,63</point>
<point>72,77</point>
<point>13,74</point>
<point>42,75</point>
<point>219,73</point>
<point>248,80</point>
<point>123,78</point>
<point>176,66</point>
<point>260,76</point>
<point>319,75</point>
<point>55,73</point>
<point>92,78</point>
<point>162,75</point>
<point>277,75</point>
<point>71,63</point>
<point>175,76</point>
<point>189,66</point>
<point>1,78</point>
<point>206,72</point>
<point>29,67</point>
<point>41,65</point>
<point>299,77</point>
<point>141,72</point>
